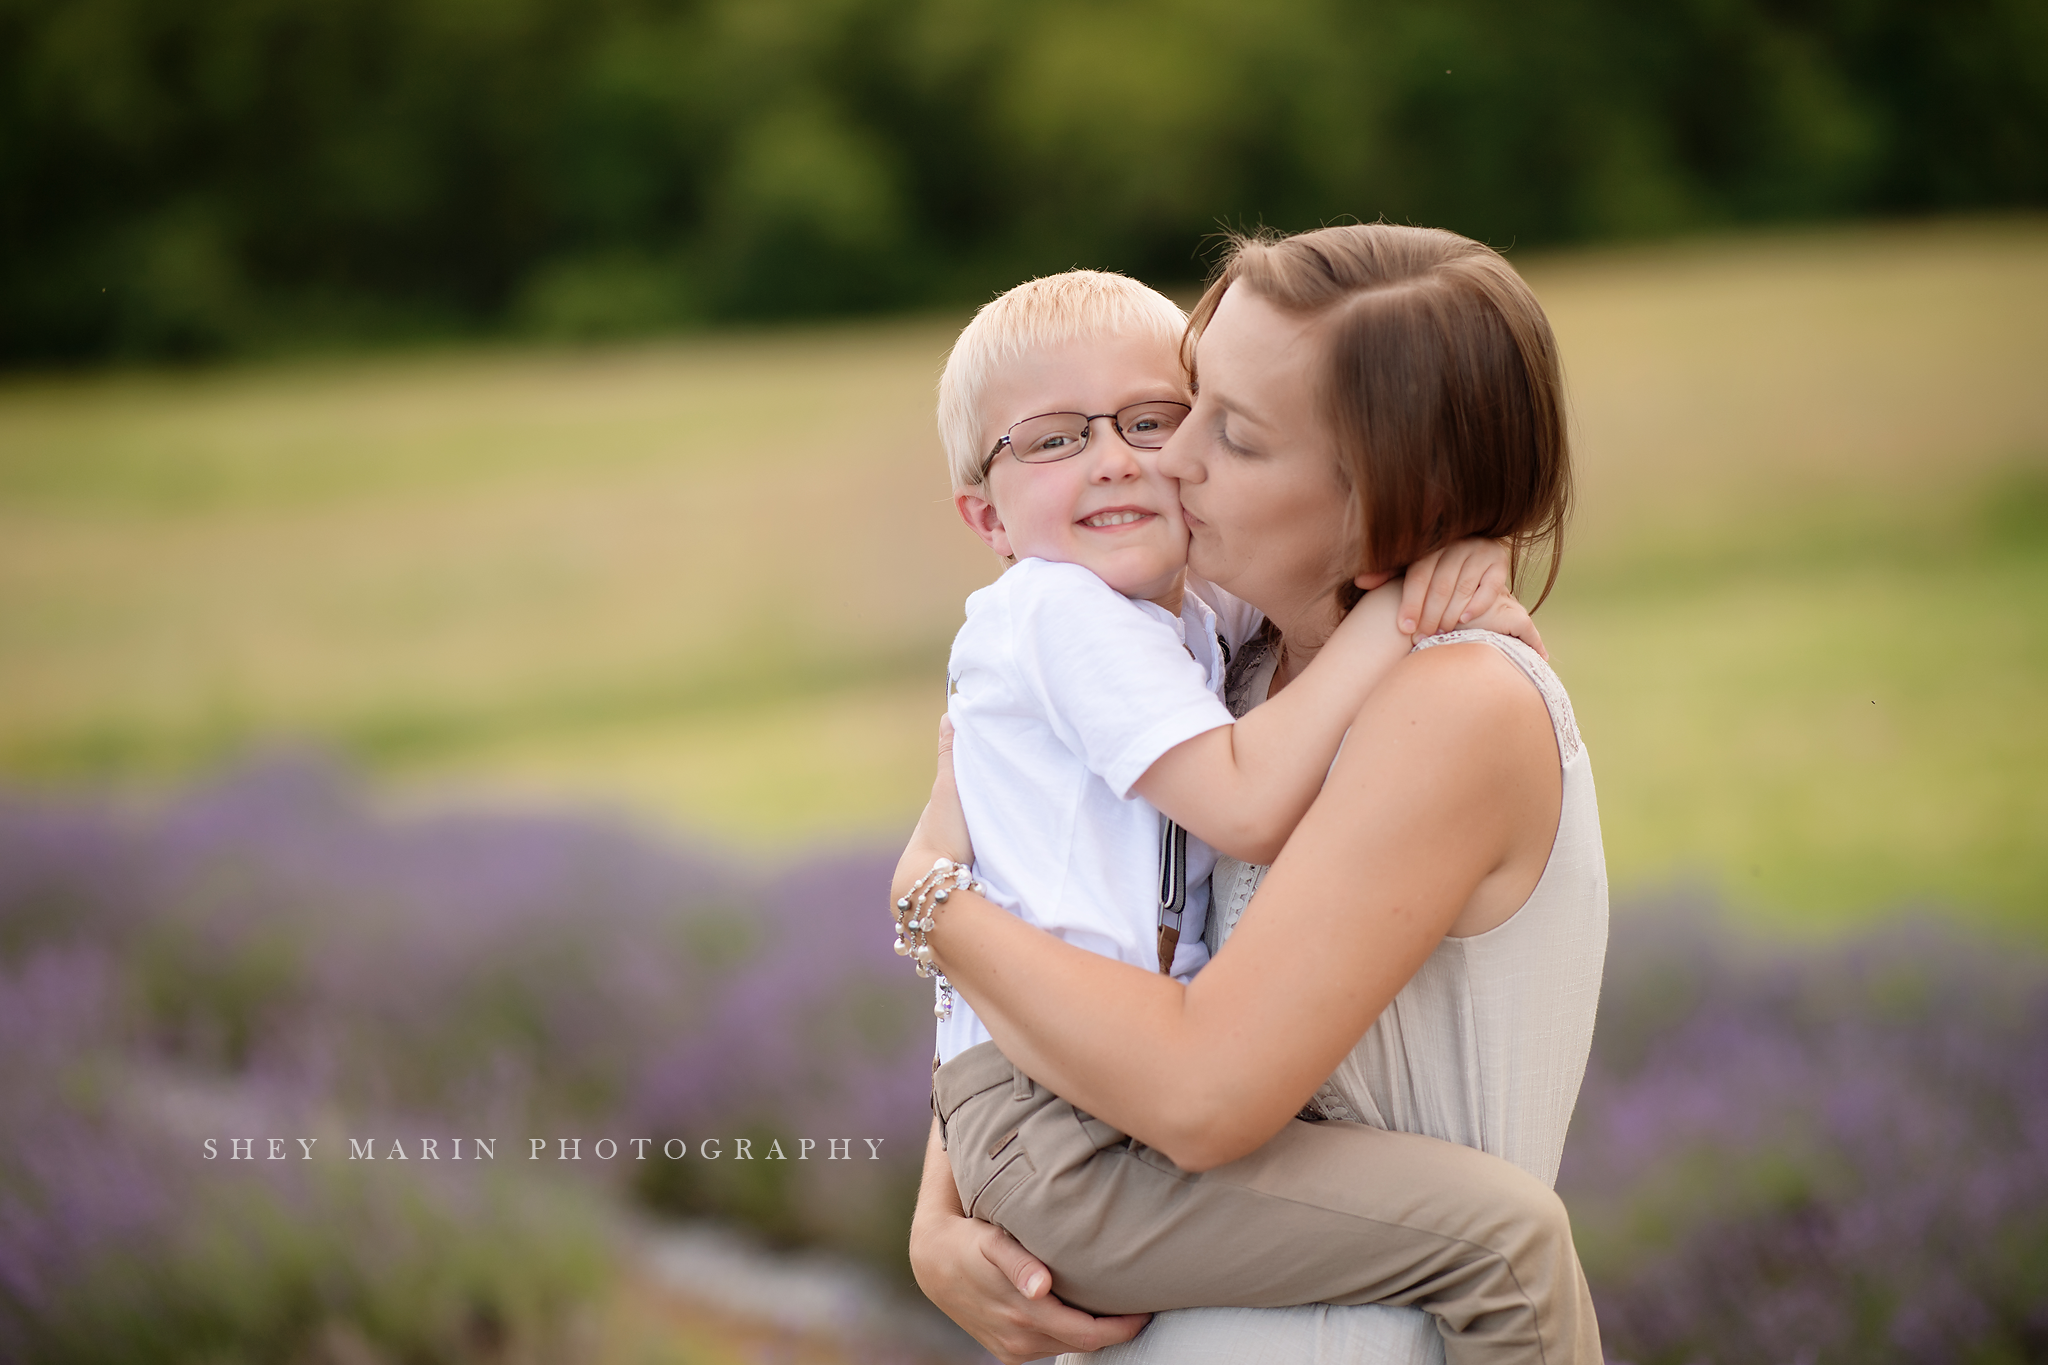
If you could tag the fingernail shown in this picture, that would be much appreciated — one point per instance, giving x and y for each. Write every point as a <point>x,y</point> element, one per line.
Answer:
<point>1408,624</point>
<point>1031,1285</point>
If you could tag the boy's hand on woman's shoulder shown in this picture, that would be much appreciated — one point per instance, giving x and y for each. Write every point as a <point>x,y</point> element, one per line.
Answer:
<point>1454,586</point>
<point>1463,585</point>
<point>1509,617</point>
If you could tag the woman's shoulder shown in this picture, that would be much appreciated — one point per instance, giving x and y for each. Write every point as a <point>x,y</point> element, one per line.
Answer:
<point>1457,672</point>
<point>1476,661</point>
<point>1458,722</point>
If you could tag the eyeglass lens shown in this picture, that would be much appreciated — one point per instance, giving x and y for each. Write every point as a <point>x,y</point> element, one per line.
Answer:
<point>1057,435</point>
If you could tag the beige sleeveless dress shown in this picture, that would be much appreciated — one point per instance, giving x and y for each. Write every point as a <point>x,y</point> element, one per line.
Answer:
<point>1486,1046</point>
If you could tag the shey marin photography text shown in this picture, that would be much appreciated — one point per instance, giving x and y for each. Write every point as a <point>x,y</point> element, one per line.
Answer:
<point>542,1149</point>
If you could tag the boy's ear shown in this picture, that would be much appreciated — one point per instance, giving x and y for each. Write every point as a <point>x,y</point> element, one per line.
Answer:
<point>982,518</point>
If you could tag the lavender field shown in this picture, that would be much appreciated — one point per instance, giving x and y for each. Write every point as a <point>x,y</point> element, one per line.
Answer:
<point>265,957</point>
<point>1831,1154</point>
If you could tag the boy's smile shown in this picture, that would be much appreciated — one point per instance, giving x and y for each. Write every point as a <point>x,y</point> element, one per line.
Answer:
<point>1114,517</point>
<point>1107,508</point>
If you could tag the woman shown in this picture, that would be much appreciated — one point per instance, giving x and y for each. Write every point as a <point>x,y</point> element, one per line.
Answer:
<point>1425,954</point>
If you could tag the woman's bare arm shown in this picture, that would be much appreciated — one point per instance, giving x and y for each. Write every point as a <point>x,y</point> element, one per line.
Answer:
<point>1439,815</point>
<point>984,1279</point>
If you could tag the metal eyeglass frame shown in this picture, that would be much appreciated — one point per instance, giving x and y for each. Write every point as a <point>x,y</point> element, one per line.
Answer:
<point>1087,431</point>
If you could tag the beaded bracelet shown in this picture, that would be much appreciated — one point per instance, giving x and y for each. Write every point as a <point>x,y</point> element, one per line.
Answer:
<point>915,912</point>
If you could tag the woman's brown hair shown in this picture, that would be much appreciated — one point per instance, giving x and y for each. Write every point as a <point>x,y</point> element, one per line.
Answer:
<point>1440,380</point>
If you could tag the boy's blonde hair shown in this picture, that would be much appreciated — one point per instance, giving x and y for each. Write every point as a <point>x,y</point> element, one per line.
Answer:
<point>1050,311</point>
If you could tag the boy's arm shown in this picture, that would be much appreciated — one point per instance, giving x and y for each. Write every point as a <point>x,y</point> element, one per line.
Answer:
<point>1241,789</point>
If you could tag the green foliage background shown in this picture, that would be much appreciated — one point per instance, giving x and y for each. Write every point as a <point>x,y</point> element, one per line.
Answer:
<point>182,178</point>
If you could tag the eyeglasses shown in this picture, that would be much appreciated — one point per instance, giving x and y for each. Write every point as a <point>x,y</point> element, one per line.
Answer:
<point>1054,436</point>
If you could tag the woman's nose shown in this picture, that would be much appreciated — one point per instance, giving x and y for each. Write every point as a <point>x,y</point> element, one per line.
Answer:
<point>1175,459</point>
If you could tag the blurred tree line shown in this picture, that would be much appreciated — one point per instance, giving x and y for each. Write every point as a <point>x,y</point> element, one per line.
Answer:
<point>182,178</point>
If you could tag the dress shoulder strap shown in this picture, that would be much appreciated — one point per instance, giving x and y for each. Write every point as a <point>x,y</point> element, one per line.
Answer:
<point>1538,672</point>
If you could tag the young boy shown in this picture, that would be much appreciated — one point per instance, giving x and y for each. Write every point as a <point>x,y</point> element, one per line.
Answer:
<point>1084,694</point>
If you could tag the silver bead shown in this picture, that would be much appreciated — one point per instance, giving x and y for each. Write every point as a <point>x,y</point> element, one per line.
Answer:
<point>903,904</point>
<point>940,895</point>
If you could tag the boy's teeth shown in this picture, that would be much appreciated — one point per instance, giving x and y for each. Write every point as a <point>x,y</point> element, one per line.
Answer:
<point>1113,518</point>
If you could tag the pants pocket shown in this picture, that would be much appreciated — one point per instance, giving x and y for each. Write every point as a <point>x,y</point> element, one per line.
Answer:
<point>987,1203</point>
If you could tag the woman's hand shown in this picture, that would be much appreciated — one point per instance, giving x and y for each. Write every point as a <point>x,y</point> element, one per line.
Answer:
<point>942,830</point>
<point>973,1271</point>
<point>982,1278</point>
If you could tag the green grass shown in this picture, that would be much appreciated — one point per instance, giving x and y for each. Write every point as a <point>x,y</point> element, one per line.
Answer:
<point>1847,722</point>
<point>1804,616</point>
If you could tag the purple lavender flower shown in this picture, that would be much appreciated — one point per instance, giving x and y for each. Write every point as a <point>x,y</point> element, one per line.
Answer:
<point>1836,1154</point>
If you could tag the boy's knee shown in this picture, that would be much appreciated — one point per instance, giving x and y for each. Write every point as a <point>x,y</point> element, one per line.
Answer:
<point>1530,1221</point>
<point>1545,1223</point>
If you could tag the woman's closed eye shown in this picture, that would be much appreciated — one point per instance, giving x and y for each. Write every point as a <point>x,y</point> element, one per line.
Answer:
<point>1223,437</point>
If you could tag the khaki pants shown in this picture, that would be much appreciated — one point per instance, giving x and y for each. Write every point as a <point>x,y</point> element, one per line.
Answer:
<point>1323,1213</point>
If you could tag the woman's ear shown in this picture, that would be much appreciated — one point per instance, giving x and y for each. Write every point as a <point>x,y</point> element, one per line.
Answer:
<point>982,518</point>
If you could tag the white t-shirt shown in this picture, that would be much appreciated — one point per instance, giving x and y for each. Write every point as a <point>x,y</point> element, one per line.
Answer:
<point>1063,692</point>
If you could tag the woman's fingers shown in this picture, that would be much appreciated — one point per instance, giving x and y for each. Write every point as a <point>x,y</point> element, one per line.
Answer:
<point>983,1294</point>
<point>1075,1330</point>
<point>1019,1266</point>
<point>943,826</point>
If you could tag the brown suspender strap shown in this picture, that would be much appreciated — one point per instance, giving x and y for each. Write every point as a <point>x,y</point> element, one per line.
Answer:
<point>1173,889</point>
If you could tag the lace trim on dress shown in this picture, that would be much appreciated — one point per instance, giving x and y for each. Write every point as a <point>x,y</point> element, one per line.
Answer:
<point>1538,672</point>
<point>1328,1103</point>
<point>1243,887</point>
